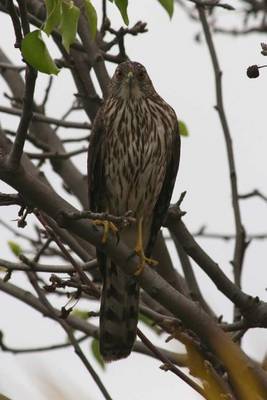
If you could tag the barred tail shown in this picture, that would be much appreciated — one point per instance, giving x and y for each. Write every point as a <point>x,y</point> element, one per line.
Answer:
<point>118,312</point>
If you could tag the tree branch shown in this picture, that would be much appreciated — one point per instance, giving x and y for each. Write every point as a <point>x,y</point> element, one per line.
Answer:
<point>54,155</point>
<point>84,278</point>
<point>26,115</point>
<point>194,318</point>
<point>33,266</point>
<point>45,134</point>
<point>254,193</point>
<point>39,349</point>
<point>42,118</point>
<point>240,243</point>
<point>81,325</point>
<point>68,330</point>
<point>10,200</point>
<point>122,221</point>
<point>168,365</point>
<point>16,22</point>
<point>210,267</point>
<point>192,283</point>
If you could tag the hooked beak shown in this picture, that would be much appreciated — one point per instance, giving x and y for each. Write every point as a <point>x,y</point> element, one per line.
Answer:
<point>130,77</point>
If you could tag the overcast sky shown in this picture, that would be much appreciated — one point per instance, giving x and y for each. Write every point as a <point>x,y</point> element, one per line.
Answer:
<point>181,72</point>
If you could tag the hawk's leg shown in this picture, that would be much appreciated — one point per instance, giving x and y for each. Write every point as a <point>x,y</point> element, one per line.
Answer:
<point>107,226</point>
<point>139,249</point>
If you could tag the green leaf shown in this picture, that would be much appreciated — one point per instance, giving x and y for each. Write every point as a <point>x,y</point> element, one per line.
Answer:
<point>69,23</point>
<point>53,15</point>
<point>96,353</point>
<point>183,129</point>
<point>15,248</point>
<point>34,51</point>
<point>168,5</point>
<point>122,6</point>
<point>91,17</point>
<point>80,314</point>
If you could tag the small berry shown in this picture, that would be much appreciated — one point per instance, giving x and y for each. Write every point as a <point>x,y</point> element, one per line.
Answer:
<point>253,71</point>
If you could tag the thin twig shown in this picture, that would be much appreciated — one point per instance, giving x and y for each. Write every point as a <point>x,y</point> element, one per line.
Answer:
<point>58,283</point>
<point>191,280</point>
<point>254,193</point>
<point>123,220</point>
<point>24,17</point>
<point>39,349</point>
<point>28,265</point>
<point>37,143</point>
<point>240,243</point>
<point>81,325</point>
<point>169,366</point>
<point>246,31</point>
<point>47,91</point>
<point>212,4</point>
<point>201,232</point>
<point>18,233</point>
<point>84,278</point>
<point>15,21</point>
<point>15,155</point>
<point>66,114</point>
<point>69,331</point>
<point>48,120</point>
<point>54,155</point>
<point>139,27</point>
<point>104,15</point>
<point>75,140</point>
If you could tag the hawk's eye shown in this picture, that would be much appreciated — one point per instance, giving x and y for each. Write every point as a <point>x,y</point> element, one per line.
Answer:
<point>119,74</point>
<point>141,74</point>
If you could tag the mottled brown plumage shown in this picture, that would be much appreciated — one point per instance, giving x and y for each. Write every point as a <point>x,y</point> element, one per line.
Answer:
<point>132,164</point>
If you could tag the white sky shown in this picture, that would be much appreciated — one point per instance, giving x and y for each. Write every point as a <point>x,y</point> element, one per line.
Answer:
<point>181,71</point>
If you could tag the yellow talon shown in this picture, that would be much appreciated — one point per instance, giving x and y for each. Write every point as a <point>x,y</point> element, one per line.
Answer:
<point>144,260</point>
<point>139,250</point>
<point>107,226</point>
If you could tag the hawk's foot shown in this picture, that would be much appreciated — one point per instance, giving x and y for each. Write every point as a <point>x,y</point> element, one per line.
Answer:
<point>107,226</point>
<point>143,260</point>
<point>139,250</point>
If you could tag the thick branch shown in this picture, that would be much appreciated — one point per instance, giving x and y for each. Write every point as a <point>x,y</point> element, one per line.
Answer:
<point>10,199</point>
<point>42,196</point>
<point>93,52</point>
<point>45,134</point>
<point>210,267</point>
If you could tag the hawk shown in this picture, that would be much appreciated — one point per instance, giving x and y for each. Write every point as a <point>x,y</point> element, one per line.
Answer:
<point>133,160</point>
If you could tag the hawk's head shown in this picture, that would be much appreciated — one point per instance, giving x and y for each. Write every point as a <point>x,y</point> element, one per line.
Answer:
<point>131,81</point>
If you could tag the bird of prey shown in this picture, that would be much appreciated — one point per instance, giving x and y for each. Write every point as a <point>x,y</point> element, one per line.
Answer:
<point>133,160</point>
